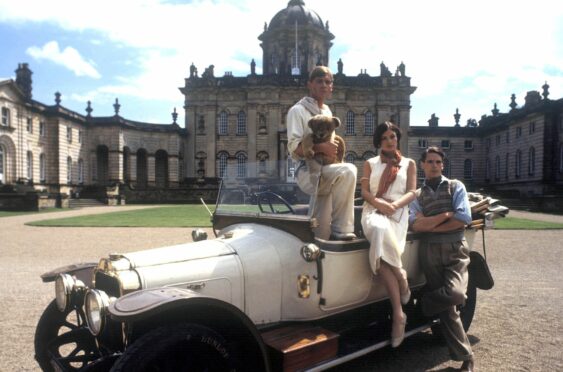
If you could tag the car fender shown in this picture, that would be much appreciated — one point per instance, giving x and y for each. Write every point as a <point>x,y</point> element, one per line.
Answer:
<point>169,304</point>
<point>82,271</point>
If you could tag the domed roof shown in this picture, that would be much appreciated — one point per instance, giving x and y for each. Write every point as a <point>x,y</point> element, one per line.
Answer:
<point>296,11</point>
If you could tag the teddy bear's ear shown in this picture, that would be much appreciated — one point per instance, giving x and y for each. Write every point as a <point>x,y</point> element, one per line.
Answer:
<point>336,121</point>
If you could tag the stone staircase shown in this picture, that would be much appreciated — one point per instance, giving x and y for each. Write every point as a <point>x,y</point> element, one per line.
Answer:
<point>83,203</point>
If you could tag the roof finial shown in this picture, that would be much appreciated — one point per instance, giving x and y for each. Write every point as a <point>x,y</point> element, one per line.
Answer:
<point>58,98</point>
<point>545,90</point>
<point>89,109</point>
<point>116,107</point>
<point>457,115</point>
<point>174,116</point>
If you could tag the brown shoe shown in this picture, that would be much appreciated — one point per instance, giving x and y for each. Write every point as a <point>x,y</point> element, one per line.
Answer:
<point>468,366</point>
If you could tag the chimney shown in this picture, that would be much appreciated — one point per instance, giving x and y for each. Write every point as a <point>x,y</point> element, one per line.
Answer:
<point>23,79</point>
<point>532,97</point>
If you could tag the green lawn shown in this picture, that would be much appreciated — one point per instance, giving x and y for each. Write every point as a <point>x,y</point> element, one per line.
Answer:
<point>510,223</point>
<point>19,213</point>
<point>189,215</point>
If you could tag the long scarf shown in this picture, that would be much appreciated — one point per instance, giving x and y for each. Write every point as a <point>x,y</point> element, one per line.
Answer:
<point>312,105</point>
<point>390,172</point>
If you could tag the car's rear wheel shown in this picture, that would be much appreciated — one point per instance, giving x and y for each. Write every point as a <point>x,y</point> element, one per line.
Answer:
<point>63,336</point>
<point>466,312</point>
<point>183,347</point>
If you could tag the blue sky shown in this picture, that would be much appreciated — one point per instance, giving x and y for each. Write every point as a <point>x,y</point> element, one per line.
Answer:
<point>465,55</point>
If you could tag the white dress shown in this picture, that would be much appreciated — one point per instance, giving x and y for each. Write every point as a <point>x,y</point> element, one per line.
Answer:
<point>387,235</point>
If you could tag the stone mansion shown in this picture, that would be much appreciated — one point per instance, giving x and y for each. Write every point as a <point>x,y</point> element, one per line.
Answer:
<point>235,127</point>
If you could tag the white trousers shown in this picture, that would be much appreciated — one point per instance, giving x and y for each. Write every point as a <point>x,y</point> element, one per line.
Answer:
<point>333,203</point>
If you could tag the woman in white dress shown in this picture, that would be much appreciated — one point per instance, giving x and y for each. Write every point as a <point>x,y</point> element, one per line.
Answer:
<point>388,186</point>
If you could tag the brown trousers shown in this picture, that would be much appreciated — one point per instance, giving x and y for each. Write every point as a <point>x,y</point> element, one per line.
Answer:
<point>445,268</point>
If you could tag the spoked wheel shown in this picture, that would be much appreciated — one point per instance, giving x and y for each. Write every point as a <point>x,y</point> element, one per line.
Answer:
<point>64,337</point>
<point>183,347</point>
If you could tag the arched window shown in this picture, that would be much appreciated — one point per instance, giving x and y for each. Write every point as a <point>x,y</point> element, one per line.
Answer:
<point>223,124</point>
<point>468,169</point>
<point>369,123</point>
<point>531,161</point>
<point>222,164</point>
<point>161,169</point>
<point>29,165</point>
<point>518,163</point>
<point>80,170</point>
<point>69,170</point>
<point>241,165</point>
<point>241,123</point>
<point>350,123</point>
<point>368,155</point>
<point>350,158</point>
<point>42,168</point>
<point>497,168</point>
<point>2,164</point>
<point>142,169</point>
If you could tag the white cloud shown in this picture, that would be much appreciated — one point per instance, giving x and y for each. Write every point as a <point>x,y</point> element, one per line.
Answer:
<point>457,53</point>
<point>70,58</point>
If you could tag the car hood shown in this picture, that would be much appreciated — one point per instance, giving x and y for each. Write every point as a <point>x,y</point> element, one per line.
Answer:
<point>178,253</point>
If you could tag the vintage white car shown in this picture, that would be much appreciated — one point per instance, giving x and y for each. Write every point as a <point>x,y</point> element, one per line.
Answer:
<point>264,295</point>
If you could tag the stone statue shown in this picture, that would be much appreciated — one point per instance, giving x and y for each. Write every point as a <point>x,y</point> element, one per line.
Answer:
<point>192,70</point>
<point>208,73</point>
<point>402,69</point>
<point>340,66</point>
<point>253,67</point>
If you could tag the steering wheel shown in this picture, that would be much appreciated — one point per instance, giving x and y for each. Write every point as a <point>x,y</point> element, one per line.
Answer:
<point>267,197</point>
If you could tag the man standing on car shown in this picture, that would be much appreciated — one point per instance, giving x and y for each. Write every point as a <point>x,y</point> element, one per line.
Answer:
<point>334,205</point>
<point>441,211</point>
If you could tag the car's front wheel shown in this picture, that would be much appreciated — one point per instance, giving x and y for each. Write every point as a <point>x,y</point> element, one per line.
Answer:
<point>64,337</point>
<point>181,347</point>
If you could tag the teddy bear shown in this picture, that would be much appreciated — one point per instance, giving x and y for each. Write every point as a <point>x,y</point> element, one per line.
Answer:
<point>322,127</point>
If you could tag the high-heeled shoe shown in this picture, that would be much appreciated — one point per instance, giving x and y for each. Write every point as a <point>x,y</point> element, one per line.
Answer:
<point>398,331</point>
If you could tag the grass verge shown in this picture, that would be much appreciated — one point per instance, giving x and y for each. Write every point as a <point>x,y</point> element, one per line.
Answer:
<point>510,223</point>
<point>189,215</point>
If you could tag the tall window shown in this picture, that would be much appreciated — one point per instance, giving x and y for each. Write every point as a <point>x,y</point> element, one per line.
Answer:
<point>5,116</point>
<point>497,139</point>
<point>42,167</point>
<point>80,171</point>
<point>69,170</point>
<point>369,123</point>
<point>29,165</point>
<point>468,145</point>
<point>518,132</point>
<point>532,127</point>
<point>507,136</point>
<point>223,124</point>
<point>29,125</point>
<point>241,123</point>
<point>445,144</point>
<point>497,168</point>
<point>507,161</point>
<point>531,161</point>
<point>350,123</point>
<point>241,165</point>
<point>2,161</point>
<point>487,169</point>
<point>42,128</point>
<point>518,163</point>
<point>80,136</point>
<point>69,134</point>
<point>468,169</point>
<point>222,165</point>
<point>447,167</point>
<point>422,143</point>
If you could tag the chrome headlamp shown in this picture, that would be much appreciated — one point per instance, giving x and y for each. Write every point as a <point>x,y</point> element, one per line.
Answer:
<point>310,252</point>
<point>64,285</point>
<point>96,303</point>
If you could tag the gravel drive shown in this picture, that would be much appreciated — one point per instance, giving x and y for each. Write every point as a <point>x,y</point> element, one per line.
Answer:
<point>517,327</point>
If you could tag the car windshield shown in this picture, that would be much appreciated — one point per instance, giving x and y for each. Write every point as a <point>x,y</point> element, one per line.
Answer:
<point>269,189</point>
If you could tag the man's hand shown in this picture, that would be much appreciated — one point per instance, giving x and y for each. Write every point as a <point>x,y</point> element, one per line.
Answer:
<point>327,149</point>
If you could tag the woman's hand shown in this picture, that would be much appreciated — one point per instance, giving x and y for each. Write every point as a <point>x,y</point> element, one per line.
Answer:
<point>385,208</point>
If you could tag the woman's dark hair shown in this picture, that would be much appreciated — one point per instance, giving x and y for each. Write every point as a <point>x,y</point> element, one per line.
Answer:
<point>432,150</point>
<point>382,128</point>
